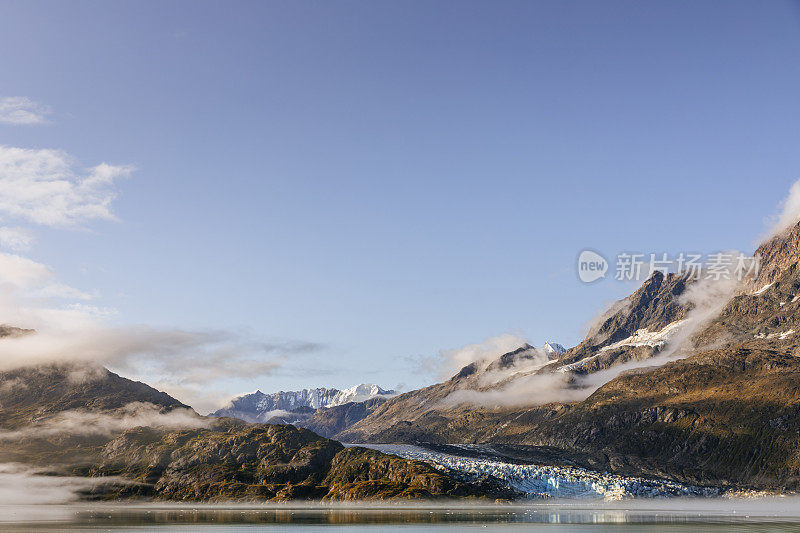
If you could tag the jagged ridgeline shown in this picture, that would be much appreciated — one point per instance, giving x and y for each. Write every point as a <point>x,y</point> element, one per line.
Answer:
<point>296,406</point>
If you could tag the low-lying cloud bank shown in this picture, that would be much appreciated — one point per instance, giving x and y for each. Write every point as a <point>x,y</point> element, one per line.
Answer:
<point>182,363</point>
<point>185,363</point>
<point>193,356</point>
<point>531,389</point>
<point>22,485</point>
<point>85,423</point>
<point>450,362</point>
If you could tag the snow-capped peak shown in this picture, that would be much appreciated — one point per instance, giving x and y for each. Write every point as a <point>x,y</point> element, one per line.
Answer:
<point>359,393</point>
<point>553,348</point>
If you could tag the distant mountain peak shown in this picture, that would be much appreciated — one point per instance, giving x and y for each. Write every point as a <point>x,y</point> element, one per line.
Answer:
<point>260,407</point>
<point>553,348</point>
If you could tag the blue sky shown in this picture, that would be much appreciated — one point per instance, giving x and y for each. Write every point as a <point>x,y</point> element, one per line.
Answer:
<point>390,179</point>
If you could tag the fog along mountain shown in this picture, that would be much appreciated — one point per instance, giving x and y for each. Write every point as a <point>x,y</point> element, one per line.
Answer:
<point>336,419</point>
<point>293,406</point>
<point>132,441</point>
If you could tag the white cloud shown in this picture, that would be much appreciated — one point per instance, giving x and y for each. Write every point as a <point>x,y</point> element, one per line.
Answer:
<point>134,414</point>
<point>204,398</point>
<point>16,239</point>
<point>483,353</point>
<point>25,493</point>
<point>75,335</point>
<point>45,187</point>
<point>22,272</point>
<point>530,361</point>
<point>531,389</point>
<point>59,290</point>
<point>93,310</point>
<point>21,110</point>
<point>34,279</point>
<point>186,362</point>
<point>78,333</point>
<point>789,212</point>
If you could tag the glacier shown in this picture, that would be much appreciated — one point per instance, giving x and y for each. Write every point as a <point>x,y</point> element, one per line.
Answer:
<point>541,481</point>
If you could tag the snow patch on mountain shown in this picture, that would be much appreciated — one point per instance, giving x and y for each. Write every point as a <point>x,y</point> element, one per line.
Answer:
<point>642,337</point>
<point>762,289</point>
<point>781,336</point>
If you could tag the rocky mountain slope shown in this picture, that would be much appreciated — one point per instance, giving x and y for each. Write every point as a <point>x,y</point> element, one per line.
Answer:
<point>57,415</point>
<point>34,394</point>
<point>238,461</point>
<point>725,412</point>
<point>654,307</point>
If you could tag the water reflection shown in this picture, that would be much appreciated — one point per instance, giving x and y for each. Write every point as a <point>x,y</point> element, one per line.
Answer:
<point>763,515</point>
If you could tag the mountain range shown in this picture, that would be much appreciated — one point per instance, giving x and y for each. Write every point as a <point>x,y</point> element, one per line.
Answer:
<point>687,380</point>
<point>260,407</point>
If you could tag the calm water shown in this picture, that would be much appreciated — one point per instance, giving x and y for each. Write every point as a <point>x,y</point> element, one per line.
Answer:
<point>768,514</point>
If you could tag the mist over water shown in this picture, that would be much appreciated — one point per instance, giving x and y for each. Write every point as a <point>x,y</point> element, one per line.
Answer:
<point>34,501</point>
<point>31,500</point>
